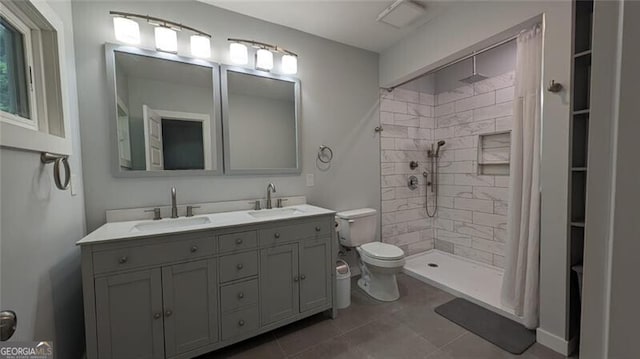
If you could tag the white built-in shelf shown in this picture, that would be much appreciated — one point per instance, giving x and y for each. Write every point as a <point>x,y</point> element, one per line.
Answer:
<point>577,224</point>
<point>579,169</point>
<point>583,53</point>
<point>494,162</point>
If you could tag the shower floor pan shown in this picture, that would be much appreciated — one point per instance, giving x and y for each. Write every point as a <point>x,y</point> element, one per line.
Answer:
<point>477,282</point>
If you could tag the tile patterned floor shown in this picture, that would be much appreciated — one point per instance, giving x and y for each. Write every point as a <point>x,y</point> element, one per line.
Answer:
<point>405,329</point>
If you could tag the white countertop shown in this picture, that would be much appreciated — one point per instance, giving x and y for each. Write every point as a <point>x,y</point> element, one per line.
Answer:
<point>130,229</point>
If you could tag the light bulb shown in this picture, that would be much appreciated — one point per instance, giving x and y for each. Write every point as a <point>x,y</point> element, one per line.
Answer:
<point>264,60</point>
<point>126,30</point>
<point>238,53</point>
<point>166,39</point>
<point>200,46</point>
<point>289,64</point>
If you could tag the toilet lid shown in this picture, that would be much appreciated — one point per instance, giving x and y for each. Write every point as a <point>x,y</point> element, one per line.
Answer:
<point>379,250</point>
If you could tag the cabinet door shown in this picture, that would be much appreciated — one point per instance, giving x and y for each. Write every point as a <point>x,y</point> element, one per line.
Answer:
<point>129,315</point>
<point>190,306</point>
<point>279,283</point>
<point>315,273</point>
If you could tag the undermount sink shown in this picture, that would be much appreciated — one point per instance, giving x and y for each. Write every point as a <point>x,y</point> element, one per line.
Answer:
<point>276,212</point>
<point>170,223</point>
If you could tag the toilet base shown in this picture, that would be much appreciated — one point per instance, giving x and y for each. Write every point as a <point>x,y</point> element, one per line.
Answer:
<point>382,287</point>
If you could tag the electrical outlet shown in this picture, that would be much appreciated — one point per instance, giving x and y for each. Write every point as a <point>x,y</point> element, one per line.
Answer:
<point>310,180</point>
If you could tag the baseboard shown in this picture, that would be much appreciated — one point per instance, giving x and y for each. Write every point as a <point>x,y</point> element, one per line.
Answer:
<point>555,343</point>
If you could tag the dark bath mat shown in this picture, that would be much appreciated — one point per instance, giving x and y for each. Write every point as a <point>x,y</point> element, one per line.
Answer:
<point>505,333</point>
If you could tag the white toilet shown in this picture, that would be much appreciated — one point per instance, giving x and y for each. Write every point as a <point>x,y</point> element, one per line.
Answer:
<point>379,262</point>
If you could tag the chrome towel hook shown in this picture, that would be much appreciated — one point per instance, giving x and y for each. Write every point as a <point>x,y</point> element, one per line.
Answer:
<point>46,157</point>
<point>322,157</point>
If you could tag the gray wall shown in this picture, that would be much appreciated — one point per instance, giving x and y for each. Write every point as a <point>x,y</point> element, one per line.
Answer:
<point>39,228</point>
<point>339,109</point>
<point>469,26</point>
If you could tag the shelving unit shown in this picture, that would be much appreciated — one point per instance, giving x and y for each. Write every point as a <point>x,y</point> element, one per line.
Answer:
<point>580,101</point>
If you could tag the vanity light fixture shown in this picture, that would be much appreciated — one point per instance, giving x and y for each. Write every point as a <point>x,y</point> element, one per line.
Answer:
<point>166,39</point>
<point>264,60</point>
<point>264,55</point>
<point>238,53</point>
<point>128,30</point>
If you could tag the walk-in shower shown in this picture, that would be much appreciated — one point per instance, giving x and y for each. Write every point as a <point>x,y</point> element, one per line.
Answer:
<point>432,182</point>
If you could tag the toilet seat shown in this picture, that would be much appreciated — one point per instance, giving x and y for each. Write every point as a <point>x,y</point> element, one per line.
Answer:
<point>382,251</point>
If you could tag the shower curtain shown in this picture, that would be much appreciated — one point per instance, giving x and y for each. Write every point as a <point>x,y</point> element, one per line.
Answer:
<point>521,272</point>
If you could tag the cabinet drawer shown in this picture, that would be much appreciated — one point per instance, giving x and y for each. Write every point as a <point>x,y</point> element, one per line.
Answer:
<point>317,229</point>
<point>237,241</point>
<point>237,266</point>
<point>152,254</point>
<point>239,295</point>
<point>239,323</point>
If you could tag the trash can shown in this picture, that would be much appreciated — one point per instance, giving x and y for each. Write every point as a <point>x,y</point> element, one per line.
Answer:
<point>343,279</point>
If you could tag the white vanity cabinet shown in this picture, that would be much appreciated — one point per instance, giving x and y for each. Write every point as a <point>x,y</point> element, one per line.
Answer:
<point>180,295</point>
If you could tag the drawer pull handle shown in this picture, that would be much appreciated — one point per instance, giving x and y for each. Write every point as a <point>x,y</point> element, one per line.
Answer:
<point>239,266</point>
<point>157,316</point>
<point>295,279</point>
<point>123,260</point>
<point>239,241</point>
<point>168,313</point>
<point>241,322</point>
<point>277,235</point>
<point>303,277</point>
<point>318,228</point>
<point>194,249</point>
<point>240,295</point>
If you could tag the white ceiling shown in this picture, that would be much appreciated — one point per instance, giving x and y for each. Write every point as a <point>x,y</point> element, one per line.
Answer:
<point>350,22</point>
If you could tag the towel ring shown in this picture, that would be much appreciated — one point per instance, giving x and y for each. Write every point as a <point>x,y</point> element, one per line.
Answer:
<point>57,160</point>
<point>321,152</point>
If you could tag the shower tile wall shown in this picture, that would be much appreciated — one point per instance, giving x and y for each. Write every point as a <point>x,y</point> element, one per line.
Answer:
<point>472,214</point>
<point>407,119</point>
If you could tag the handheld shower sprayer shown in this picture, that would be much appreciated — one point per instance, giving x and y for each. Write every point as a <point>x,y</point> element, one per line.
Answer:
<point>433,156</point>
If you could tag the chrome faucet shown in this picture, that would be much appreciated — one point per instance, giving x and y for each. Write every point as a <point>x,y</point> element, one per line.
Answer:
<point>174,206</point>
<point>271,187</point>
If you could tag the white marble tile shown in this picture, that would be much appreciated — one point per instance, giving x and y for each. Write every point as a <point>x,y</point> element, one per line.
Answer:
<point>488,246</point>
<point>505,94</point>
<point>494,111</point>
<point>453,95</point>
<point>474,254</point>
<point>387,194</point>
<point>500,234</point>
<point>443,110</point>
<point>388,217</point>
<point>441,223</point>
<point>453,237</point>
<point>474,128</point>
<point>473,180</point>
<point>401,119</point>
<point>387,143</point>
<point>498,261</point>
<point>427,122</point>
<point>406,145</point>
<point>495,83</point>
<point>394,131</point>
<point>476,205</point>
<point>418,225</point>
<point>453,119</point>
<point>410,215</point>
<point>420,110</point>
<point>386,118</point>
<point>393,181</point>
<point>504,123</point>
<point>466,154</point>
<point>477,101</point>
<point>407,238</point>
<point>455,191</point>
<point>474,230</point>
<point>456,167</point>
<point>387,168</point>
<point>501,208</point>
<point>492,220</point>
<point>388,105</point>
<point>419,133</point>
<point>427,99</point>
<point>501,181</point>
<point>395,156</point>
<point>491,193</point>
<point>394,229</point>
<point>443,133</point>
<point>400,94</point>
<point>456,214</point>
<point>460,142</point>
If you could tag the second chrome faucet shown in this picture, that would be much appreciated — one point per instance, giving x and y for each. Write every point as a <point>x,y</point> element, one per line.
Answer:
<point>270,188</point>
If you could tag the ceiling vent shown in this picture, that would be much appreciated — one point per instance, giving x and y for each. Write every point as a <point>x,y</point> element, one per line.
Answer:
<point>401,13</point>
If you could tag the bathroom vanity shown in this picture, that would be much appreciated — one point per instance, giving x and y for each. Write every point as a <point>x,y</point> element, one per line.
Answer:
<point>178,288</point>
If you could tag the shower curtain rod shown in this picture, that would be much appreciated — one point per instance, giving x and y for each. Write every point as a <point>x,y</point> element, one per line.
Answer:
<point>474,53</point>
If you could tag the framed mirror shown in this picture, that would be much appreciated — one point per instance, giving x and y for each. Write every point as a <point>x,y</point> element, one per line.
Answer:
<point>165,115</point>
<point>261,121</point>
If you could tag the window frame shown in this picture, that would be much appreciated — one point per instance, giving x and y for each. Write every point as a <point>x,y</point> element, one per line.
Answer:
<point>49,82</point>
<point>18,22</point>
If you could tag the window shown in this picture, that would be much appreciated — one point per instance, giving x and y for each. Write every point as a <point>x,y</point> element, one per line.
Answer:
<point>15,71</point>
<point>32,82</point>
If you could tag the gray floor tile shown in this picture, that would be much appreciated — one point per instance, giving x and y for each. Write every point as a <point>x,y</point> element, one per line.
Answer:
<point>431,326</point>
<point>334,348</point>
<point>306,333</point>
<point>263,346</point>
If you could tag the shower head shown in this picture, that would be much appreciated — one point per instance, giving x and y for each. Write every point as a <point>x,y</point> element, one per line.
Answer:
<point>440,144</point>
<point>475,76</point>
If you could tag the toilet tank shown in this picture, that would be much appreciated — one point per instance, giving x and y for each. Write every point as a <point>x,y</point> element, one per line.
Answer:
<point>357,227</point>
